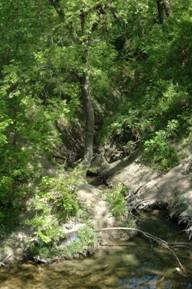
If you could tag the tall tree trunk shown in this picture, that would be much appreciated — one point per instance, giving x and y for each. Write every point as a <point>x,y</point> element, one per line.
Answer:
<point>167,7</point>
<point>89,118</point>
<point>163,9</point>
<point>160,10</point>
<point>85,85</point>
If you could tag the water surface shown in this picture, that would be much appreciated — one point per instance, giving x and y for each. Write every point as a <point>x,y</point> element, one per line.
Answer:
<point>141,264</point>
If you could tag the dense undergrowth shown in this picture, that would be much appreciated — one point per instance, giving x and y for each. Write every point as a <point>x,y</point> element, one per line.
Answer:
<point>54,203</point>
<point>140,82</point>
<point>154,113</point>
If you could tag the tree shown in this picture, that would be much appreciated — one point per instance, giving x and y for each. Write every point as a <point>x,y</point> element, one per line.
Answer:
<point>25,126</point>
<point>85,23</point>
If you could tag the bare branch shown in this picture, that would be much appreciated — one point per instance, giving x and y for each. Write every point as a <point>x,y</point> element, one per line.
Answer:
<point>158,240</point>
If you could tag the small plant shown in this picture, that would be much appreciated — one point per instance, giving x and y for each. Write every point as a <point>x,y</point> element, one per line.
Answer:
<point>116,200</point>
<point>86,239</point>
<point>87,235</point>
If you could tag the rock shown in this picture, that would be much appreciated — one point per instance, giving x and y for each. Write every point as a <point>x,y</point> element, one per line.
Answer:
<point>13,248</point>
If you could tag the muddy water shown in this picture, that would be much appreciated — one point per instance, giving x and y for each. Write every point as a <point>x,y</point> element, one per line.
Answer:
<point>138,264</point>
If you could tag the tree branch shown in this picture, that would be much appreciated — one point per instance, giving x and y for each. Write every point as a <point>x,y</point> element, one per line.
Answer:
<point>158,240</point>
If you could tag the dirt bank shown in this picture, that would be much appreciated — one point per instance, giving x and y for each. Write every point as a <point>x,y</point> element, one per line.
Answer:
<point>148,188</point>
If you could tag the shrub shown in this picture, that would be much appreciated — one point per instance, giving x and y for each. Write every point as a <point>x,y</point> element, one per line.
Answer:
<point>158,150</point>
<point>116,200</point>
<point>54,203</point>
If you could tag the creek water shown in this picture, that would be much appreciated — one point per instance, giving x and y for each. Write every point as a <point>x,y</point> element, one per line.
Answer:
<point>136,264</point>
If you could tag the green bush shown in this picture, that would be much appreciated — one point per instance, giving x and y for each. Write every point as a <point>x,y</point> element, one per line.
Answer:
<point>54,203</point>
<point>117,202</point>
<point>87,238</point>
<point>158,150</point>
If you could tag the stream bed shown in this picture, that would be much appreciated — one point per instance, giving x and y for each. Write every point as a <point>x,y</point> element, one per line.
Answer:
<point>136,264</point>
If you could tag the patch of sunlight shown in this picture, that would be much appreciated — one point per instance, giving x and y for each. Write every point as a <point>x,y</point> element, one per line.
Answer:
<point>131,260</point>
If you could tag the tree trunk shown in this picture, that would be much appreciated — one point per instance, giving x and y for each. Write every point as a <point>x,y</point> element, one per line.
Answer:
<point>167,7</point>
<point>89,119</point>
<point>85,86</point>
<point>163,9</point>
<point>160,10</point>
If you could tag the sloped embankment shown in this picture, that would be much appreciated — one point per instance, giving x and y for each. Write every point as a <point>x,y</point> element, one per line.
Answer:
<point>100,214</point>
<point>71,244</point>
<point>94,201</point>
<point>148,188</point>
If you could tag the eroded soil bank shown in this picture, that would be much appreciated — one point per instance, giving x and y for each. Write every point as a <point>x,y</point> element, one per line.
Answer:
<point>148,188</point>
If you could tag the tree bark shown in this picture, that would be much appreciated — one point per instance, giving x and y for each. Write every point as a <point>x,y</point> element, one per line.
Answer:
<point>167,7</point>
<point>163,9</point>
<point>89,118</point>
<point>160,10</point>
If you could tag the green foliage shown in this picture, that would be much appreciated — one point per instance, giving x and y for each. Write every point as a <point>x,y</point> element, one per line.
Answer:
<point>117,202</point>
<point>61,193</point>
<point>26,137</point>
<point>87,239</point>
<point>159,152</point>
<point>140,83</point>
<point>54,203</point>
<point>148,102</point>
